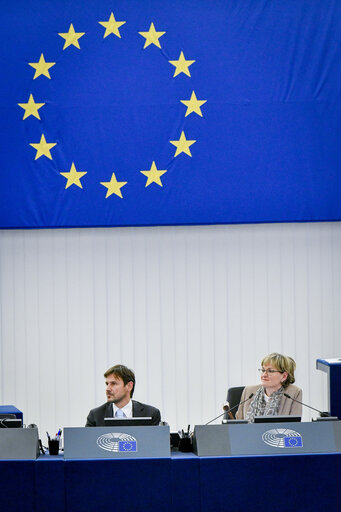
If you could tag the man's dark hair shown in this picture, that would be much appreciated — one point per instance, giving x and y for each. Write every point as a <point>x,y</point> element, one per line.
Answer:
<point>124,373</point>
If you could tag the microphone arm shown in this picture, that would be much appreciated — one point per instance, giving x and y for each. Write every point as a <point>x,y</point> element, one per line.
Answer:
<point>232,408</point>
<point>241,403</point>
<point>323,414</point>
<point>211,421</point>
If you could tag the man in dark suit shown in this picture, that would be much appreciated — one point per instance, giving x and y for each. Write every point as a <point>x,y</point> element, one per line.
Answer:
<point>120,384</point>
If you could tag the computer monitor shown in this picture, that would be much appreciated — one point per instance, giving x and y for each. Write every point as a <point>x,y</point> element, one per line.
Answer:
<point>10,422</point>
<point>325,418</point>
<point>234,422</point>
<point>128,422</point>
<point>277,419</point>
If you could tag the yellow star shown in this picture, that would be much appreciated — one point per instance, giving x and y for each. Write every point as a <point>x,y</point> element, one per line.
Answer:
<point>31,108</point>
<point>113,186</point>
<point>182,145</point>
<point>43,148</point>
<point>193,105</point>
<point>73,177</point>
<point>153,175</point>
<point>42,67</point>
<point>152,37</point>
<point>181,65</point>
<point>112,26</point>
<point>71,37</point>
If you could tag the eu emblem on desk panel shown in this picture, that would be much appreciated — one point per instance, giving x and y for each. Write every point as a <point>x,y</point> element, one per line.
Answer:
<point>283,438</point>
<point>116,442</point>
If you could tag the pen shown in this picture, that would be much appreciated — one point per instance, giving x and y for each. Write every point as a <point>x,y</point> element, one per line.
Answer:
<point>41,447</point>
<point>48,437</point>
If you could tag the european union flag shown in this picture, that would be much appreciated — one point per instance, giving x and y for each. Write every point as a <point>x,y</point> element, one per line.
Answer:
<point>293,442</point>
<point>172,112</point>
<point>127,446</point>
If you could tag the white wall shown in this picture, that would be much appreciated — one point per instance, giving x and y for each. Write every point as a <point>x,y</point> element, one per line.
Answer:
<point>191,309</point>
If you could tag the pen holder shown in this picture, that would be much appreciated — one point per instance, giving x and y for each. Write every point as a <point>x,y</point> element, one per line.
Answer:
<point>185,444</point>
<point>53,446</point>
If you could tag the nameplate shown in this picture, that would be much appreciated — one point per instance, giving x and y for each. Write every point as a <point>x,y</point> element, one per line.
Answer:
<point>19,443</point>
<point>267,438</point>
<point>116,442</point>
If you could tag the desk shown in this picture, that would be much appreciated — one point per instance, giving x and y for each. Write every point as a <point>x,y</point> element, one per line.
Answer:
<point>139,484</point>
<point>10,409</point>
<point>182,483</point>
<point>17,485</point>
<point>332,367</point>
<point>255,483</point>
<point>49,484</point>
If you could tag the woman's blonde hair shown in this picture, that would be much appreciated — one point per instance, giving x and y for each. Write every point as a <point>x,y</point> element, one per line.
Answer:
<point>283,364</point>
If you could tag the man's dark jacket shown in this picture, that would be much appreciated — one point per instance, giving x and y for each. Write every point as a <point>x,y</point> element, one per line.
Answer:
<point>96,416</point>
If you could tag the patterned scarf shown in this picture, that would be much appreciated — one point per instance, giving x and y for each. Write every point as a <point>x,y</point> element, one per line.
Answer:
<point>259,407</point>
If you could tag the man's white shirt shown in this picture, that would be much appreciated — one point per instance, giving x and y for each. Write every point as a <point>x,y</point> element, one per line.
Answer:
<point>127,409</point>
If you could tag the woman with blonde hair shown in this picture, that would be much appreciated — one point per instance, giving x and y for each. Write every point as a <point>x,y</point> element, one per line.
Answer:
<point>277,379</point>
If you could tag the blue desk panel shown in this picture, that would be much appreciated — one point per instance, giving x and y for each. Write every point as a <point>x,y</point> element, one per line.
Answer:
<point>17,485</point>
<point>267,483</point>
<point>183,483</point>
<point>138,484</point>
<point>50,488</point>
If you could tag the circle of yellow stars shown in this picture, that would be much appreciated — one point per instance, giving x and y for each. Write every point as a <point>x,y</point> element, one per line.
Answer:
<point>112,27</point>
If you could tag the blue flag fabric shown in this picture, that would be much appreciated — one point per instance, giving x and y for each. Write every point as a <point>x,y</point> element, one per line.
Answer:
<point>293,441</point>
<point>127,446</point>
<point>175,112</point>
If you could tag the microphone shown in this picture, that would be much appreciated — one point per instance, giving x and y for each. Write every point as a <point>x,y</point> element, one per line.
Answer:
<point>226,407</point>
<point>323,414</point>
<point>229,410</point>
<point>240,403</point>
